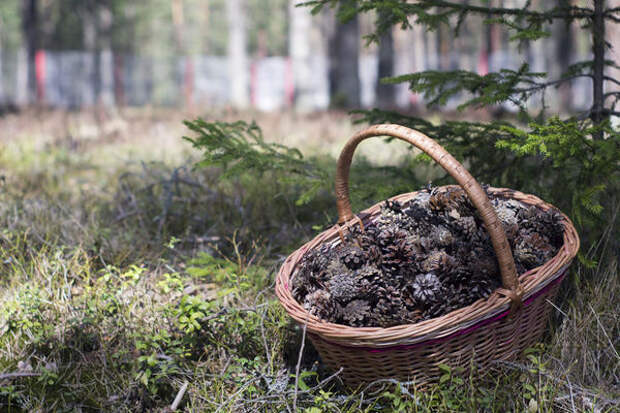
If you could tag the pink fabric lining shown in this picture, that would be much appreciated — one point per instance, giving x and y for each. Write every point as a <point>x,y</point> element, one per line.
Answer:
<point>457,333</point>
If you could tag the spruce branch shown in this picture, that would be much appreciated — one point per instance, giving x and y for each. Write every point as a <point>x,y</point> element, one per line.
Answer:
<point>239,148</point>
<point>609,14</point>
<point>612,80</point>
<point>515,86</point>
<point>442,7</point>
<point>526,23</point>
<point>543,85</point>
<point>563,12</point>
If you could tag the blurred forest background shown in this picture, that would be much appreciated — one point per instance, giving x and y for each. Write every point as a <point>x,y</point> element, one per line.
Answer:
<point>137,268</point>
<point>265,54</point>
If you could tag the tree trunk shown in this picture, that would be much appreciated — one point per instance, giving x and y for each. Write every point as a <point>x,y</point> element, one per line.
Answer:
<point>3,101</point>
<point>237,53</point>
<point>89,31</point>
<point>178,21</point>
<point>386,93</point>
<point>300,53</point>
<point>106,93</point>
<point>564,48</point>
<point>344,65</point>
<point>30,28</point>
<point>598,49</point>
<point>614,55</point>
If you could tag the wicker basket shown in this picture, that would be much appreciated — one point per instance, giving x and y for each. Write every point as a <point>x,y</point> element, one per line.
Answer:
<point>499,327</point>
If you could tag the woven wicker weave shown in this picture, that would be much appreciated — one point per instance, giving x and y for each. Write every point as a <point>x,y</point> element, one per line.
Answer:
<point>499,327</point>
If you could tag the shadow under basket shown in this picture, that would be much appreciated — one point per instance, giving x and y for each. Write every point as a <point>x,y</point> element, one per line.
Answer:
<point>499,327</point>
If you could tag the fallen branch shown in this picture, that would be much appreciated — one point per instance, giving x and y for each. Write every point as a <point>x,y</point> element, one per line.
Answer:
<point>18,374</point>
<point>301,352</point>
<point>180,394</point>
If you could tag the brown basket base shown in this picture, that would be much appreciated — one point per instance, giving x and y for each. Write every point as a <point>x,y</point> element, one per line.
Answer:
<point>503,338</point>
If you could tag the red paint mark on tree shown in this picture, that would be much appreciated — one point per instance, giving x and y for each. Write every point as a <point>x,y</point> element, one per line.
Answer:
<point>289,83</point>
<point>39,67</point>
<point>483,63</point>
<point>253,82</point>
<point>119,86</point>
<point>188,81</point>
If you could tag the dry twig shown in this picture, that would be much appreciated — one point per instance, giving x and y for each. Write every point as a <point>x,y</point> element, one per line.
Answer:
<point>301,352</point>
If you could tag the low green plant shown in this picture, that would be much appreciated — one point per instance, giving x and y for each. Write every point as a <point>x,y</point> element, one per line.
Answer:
<point>26,314</point>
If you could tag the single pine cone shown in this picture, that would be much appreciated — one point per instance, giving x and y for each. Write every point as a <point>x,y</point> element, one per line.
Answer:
<point>352,257</point>
<point>387,312</point>
<point>436,309</point>
<point>373,254</point>
<point>345,287</point>
<point>321,304</point>
<point>533,249</point>
<point>316,260</point>
<point>417,213</point>
<point>426,288</point>
<point>399,257</point>
<point>389,235</point>
<point>336,268</point>
<point>356,313</point>
<point>312,271</point>
<point>527,214</point>
<point>441,235</point>
<point>506,215</point>
<point>551,224</point>
<point>467,225</point>
<point>480,287</point>
<point>301,285</point>
<point>370,273</point>
<point>448,199</point>
<point>438,261</point>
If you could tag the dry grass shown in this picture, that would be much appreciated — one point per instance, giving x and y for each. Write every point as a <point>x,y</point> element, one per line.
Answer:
<point>126,274</point>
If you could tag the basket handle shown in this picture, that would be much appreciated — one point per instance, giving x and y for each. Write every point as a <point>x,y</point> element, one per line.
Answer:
<point>476,194</point>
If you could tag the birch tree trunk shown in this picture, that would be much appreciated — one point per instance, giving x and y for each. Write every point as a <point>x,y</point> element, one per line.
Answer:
<point>106,60</point>
<point>237,53</point>
<point>307,49</point>
<point>178,21</point>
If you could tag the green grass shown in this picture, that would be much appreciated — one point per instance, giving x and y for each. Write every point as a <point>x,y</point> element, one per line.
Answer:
<point>126,273</point>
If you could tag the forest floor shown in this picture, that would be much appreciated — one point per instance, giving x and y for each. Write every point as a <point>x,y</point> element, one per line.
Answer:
<point>131,278</point>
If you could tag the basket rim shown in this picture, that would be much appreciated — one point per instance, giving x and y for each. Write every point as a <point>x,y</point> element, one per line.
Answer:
<point>532,281</point>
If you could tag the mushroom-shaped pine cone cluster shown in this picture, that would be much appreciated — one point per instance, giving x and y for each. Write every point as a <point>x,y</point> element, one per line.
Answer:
<point>420,259</point>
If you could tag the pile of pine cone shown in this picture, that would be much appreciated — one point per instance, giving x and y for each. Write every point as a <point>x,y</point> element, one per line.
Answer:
<point>420,259</point>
